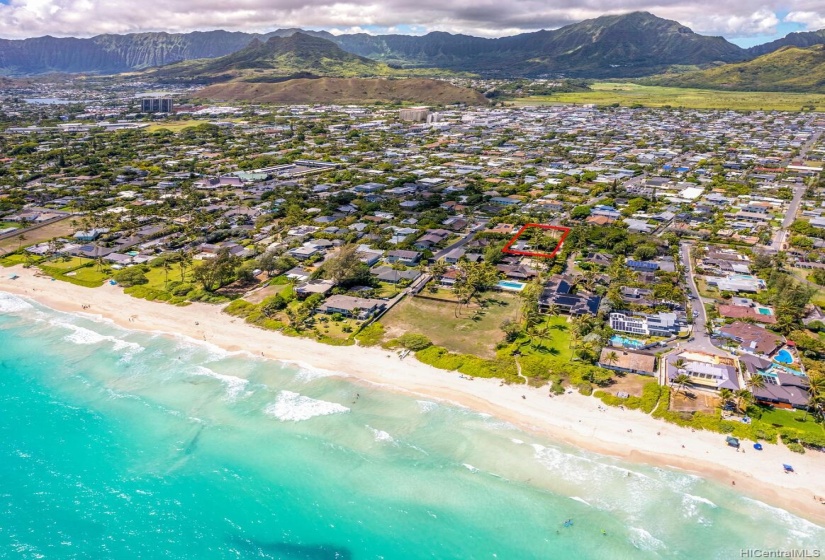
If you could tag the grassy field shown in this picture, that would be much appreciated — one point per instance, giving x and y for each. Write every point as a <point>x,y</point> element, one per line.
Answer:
<point>627,94</point>
<point>475,331</point>
<point>173,126</point>
<point>556,344</point>
<point>57,229</point>
<point>792,419</point>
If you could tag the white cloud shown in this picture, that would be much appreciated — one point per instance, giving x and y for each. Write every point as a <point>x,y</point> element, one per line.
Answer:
<point>813,20</point>
<point>27,18</point>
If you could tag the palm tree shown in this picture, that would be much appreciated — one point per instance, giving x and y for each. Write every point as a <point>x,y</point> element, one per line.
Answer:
<point>540,333</point>
<point>184,260</point>
<point>680,381</point>
<point>611,358</point>
<point>679,363</point>
<point>20,239</point>
<point>725,394</point>
<point>167,266</point>
<point>816,393</point>
<point>756,381</point>
<point>743,396</point>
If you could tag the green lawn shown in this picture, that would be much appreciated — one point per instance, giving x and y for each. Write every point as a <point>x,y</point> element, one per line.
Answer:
<point>70,264</point>
<point>556,344</point>
<point>335,329</point>
<point>627,94</point>
<point>173,126</point>
<point>473,331</point>
<point>92,275</point>
<point>791,419</point>
<point>13,259</point>
<point>157,277</point>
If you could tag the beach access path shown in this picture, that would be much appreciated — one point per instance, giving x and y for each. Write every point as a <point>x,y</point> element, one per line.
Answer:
<point>570,418</point>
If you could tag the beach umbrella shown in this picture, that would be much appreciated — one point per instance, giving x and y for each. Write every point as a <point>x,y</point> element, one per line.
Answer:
<point>788,468</point>
<point>757,446</point>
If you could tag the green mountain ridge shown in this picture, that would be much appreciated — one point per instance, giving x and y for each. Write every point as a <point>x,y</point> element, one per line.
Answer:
<point>277,57</point>
<point>628,45</point>
<point>791,69</point>
<point>795,39</point>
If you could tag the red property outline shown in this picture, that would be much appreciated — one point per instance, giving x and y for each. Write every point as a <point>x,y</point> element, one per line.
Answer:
<point>565,232</point>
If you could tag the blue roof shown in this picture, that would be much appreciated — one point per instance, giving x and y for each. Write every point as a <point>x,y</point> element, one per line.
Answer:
<point>645,265</point>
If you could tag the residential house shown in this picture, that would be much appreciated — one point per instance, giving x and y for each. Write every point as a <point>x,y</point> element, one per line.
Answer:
<point>656,324</point>
<point>314,287</point>
<point>753,338</point>
<point>559,293</point>
<point>407,258</point>
<point>349,306</point>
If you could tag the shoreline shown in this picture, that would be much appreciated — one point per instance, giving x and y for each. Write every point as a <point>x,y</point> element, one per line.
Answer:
<point>571,419</point>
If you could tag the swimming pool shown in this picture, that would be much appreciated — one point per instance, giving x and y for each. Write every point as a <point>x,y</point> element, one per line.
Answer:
<point>512,286</point>
<point>618,340</point>
<point>784,357</point>
<point>764,311</point>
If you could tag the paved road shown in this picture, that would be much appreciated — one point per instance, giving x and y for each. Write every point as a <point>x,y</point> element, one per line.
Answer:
<point>701,340</point>
<point>781,235</point>
<point>461,242</point>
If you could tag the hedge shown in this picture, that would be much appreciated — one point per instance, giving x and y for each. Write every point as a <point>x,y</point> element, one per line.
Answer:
<point>371,335</point>
<point>467,364</point>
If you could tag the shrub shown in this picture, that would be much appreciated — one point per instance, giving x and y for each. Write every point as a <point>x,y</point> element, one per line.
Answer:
<point>557,388</point>
<point>132,276</point>
<point>795,447</point>
<point>650,396</point>
<point>414,342</point>
<point>371,334</point>
<point>585,389</point>
<point>239,308</point>
<point>437,356</point>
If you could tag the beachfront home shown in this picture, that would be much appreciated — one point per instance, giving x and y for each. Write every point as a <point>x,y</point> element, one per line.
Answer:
<point>707,371</point>
<point>349,306</point>
<point>783,388</point>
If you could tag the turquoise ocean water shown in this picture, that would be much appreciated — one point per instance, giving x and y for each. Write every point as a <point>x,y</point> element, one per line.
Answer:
<point>115,444</point>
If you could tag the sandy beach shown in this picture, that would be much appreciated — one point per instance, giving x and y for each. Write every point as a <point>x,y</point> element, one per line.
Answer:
<point>569,418</point>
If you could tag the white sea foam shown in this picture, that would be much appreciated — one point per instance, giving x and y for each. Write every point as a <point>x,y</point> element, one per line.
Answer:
<point>797,527</point>
<point>427,406</point>
<point>307,372</point>
<point>643,540</point>
<point>470,468</point>
<point>380,435</point>
<point>698,499</point>
<point>517,441</point>
<point>294,407</point>
<point>84,336</point>
<point>13,304</point>
<point>582,500</point>
<point>235,386</point>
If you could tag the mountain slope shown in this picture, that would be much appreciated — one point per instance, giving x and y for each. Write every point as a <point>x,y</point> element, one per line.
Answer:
<point>109,54</point>
<point>795,39</point>
<point>634,44</point>
<point>277,57</point>
<point>790,69</point>
<point>345,90</point>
